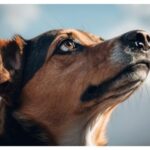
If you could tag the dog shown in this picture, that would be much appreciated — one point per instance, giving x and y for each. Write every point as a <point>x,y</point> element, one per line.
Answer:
<point>61,87</point>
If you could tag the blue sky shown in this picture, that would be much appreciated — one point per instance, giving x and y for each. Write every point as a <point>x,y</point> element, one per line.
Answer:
<point>130,124</point>
<point>105,20</point>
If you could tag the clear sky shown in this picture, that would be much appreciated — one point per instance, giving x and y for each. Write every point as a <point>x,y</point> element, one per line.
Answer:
<point>130,123</point>
<point>104,20</point>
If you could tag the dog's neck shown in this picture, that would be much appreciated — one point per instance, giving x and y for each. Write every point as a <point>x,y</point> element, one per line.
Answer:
<point>95,134</point>
<point>92,135</point>
<point>78,132</point>
<point>73,136</point>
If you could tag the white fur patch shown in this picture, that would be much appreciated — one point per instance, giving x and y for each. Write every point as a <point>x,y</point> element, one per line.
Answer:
<point>90,131</point>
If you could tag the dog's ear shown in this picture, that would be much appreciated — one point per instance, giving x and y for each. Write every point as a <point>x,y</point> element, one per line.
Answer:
<point>11,60</point>
<point>10,57</point>
<point>11,52</point>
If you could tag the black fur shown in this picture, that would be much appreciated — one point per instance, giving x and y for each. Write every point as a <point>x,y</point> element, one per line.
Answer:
<point>18,132</point>
<point>35,53</point>
<point>22,131</point>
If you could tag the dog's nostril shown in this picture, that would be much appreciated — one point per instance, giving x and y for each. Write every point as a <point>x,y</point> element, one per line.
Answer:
<point>140,40</point>
<point>140,37</point>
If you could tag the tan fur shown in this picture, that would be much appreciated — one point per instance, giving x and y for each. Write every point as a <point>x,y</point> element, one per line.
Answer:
<point>52,96</point>
<point>4,74</point>
<point>99,133</point>
<point>83,37</point>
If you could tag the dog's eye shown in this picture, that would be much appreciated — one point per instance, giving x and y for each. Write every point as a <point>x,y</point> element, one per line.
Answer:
<point>67,45</point>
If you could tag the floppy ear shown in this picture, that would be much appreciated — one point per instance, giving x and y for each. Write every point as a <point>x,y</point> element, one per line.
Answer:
<point>11,58</point>
<point>11,53</point>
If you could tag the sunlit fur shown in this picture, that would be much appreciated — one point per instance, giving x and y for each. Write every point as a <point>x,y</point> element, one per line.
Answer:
<point>52,97</point>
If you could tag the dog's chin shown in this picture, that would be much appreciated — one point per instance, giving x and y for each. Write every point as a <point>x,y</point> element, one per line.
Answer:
<point>137,72</point>
<point>125,83</point>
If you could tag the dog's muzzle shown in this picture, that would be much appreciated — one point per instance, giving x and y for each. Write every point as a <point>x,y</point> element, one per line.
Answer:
<point>137,45</point>
<point>131,56</point>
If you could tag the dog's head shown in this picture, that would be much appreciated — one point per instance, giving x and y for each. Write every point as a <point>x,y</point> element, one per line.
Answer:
<point>70,76</point>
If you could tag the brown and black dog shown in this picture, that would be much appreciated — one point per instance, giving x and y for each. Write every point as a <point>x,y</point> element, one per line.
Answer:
<point>60,88</point>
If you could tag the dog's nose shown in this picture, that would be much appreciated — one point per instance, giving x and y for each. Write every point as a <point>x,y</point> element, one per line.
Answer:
<point>137,40</point>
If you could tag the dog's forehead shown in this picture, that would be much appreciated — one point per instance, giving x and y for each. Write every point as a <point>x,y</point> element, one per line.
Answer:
<point>84,37</point>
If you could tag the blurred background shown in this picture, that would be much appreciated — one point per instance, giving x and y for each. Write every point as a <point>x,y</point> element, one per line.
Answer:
<point>130,122</point>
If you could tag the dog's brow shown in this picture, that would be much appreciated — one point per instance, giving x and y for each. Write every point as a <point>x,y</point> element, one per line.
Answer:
<point>83,37</point>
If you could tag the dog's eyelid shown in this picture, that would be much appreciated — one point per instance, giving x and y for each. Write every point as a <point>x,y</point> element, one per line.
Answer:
<point>77,41</point>
<point>67,45</point>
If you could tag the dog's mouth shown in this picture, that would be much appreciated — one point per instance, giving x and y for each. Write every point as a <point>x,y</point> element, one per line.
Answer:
<point>127,81</point>
<point>137,71</point>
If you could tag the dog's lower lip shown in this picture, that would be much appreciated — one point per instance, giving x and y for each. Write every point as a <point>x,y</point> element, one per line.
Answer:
<point>136,72</point>
<point>144,62</point>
